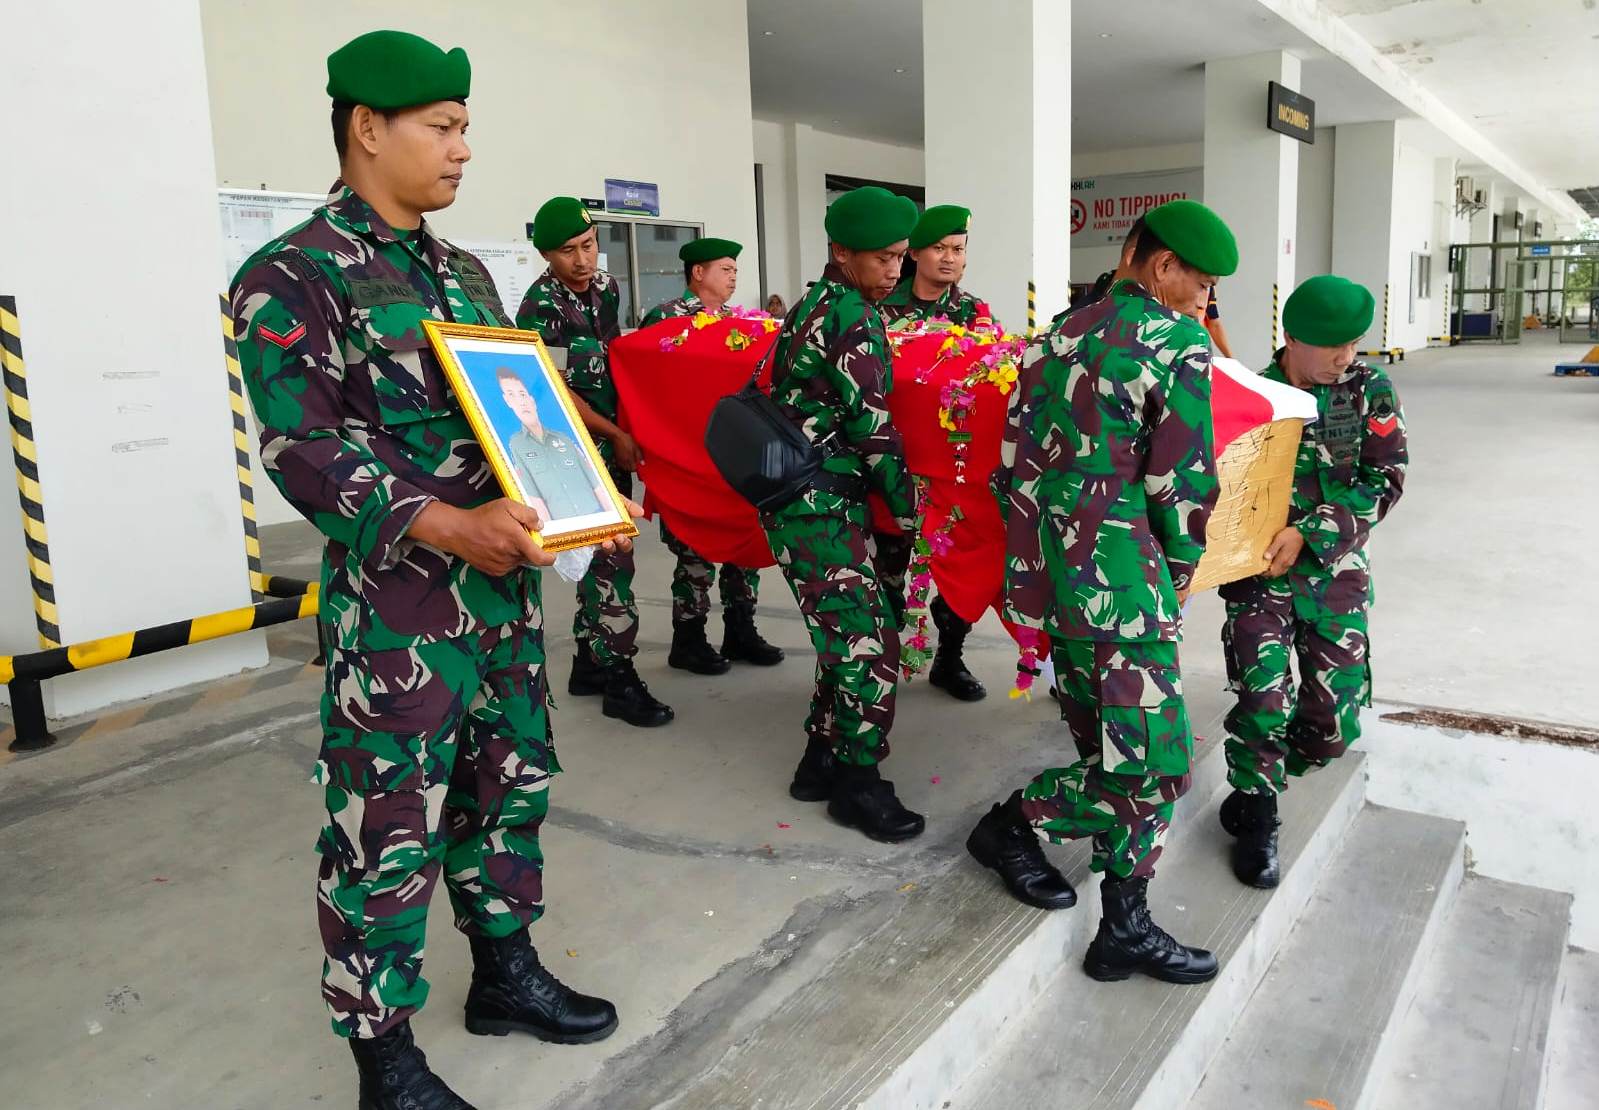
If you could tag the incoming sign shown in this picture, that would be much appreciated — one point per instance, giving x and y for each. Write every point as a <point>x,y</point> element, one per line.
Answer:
<point>1290,113</point>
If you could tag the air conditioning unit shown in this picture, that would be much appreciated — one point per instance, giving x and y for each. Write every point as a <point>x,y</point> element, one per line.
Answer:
<point>1517,223</point>
<point>1463,189</point>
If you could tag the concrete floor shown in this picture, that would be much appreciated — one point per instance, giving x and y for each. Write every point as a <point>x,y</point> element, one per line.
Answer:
<point>158,944</point>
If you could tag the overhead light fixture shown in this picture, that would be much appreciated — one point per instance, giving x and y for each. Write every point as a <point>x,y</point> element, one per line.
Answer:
<point>768,33</point>
<point>1102,34</point>
<point>900,70</point>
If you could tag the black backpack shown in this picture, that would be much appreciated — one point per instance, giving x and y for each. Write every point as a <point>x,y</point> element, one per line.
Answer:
<point>761,452</point>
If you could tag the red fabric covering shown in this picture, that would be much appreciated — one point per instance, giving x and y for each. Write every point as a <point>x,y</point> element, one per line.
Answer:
<point>666,401</point>
<point>971,576</point>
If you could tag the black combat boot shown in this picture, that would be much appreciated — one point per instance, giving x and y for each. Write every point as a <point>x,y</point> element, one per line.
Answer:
<point>513,993</point>
<point>1004,841</point>
<point>813,778</point>
<point>949,671</point>
<point>691,651</point>
<point>863,799</point>
<point>1129,941</point>
<point>741,643</point>
<point>395,1075</point>
<point>1252,818</point>
<point>628,699</point>
<point>588,677</point>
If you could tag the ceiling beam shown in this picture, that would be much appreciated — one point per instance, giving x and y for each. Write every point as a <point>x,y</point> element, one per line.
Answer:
<point>1338,38</point>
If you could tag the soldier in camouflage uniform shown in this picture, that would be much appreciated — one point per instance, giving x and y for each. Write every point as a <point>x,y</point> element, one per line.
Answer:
<point>1311,599</point>
<point>932,289</point>
<point>829,368</point>
<point>937,264</point>
<point>1110,476</point>
<point>573,306</point>
<point>436,752</point>
<point>710,271</point>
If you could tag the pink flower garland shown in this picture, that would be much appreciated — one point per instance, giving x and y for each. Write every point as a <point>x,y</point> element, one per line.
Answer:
<point>998,366</point>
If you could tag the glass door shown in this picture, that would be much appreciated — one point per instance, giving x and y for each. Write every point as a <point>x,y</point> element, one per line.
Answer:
<point>660,272</point>
<point>616,258</point>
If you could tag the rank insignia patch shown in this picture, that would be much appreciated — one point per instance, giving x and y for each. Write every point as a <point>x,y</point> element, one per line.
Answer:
<point>294,335</point>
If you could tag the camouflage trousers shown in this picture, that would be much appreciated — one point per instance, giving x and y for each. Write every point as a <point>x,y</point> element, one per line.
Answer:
<point>693,578</point>
<point>434,758</point>
<point>828,565</point>
<point>1272,733</point>
<point>606,619</point>
<point>1123,702</point>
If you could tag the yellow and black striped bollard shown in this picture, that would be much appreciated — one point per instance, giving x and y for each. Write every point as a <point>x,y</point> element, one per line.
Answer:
<point>241,450</point>
<point>26,456</point>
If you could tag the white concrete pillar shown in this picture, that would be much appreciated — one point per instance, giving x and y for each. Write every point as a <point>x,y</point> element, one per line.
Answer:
<point>1019,189</point>
<point>1252,182</point>
<point>1479,269</point>
<point>1448,229</point>
<point>110,245</point>
<point>1363,219</point>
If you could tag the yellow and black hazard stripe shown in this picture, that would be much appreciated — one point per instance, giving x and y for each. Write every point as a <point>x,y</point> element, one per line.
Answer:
<point>1385,346</point>
<point>241,450</point>
<point>1032,310</point>
<point>40,665</point>
<point>26,456</point>
<point>1274,317</point>
<point>1389,353</point>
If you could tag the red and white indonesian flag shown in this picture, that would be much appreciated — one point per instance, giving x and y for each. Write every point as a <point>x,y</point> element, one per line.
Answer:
<point>1241,399</point>
<point>1257,424</point>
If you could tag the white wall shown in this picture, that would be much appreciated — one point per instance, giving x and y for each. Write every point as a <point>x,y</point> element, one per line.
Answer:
<point>796,159</point>
<point>1314,242</point>
<point>118,306</point>
<point>545,117</point>
<point>563,96</point>
<point>1412,233</point>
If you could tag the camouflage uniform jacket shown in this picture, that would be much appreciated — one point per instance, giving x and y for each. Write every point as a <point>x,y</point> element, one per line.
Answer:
<point>831,372</point>
<point>1110,472</point>
<point>359,428</point>
<point>686,305</point>
<point>1349,472</point>
<point>955,304</point>
<point>583,323</point>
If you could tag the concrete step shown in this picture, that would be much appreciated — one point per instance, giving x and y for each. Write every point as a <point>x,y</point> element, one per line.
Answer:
<point>1477,1033</point>
<point>1097,1046</point>
<point>1317,1031</point>
<point>900,1017</point>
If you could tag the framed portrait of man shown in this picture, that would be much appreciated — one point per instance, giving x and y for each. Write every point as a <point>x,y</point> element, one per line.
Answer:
<point>523,416</point>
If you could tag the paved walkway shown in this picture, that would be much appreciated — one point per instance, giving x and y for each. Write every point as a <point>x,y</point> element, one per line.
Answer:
<point>157,939</point>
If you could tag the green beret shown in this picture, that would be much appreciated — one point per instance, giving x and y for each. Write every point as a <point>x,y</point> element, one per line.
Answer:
<point>1196,235</point>
<point>390,70</point>
<point>708,250</point>
<point>1328,311</point>
<point>939,221</point>
<point>870,218</point>
<point>559,219</point>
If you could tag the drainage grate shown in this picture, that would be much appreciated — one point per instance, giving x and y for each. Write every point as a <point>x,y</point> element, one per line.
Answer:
<point>1516,728</point>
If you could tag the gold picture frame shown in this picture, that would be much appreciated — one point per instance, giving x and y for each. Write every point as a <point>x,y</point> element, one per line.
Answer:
<point>556,470</point>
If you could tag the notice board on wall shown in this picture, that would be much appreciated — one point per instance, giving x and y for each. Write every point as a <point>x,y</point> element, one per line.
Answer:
<point>251,219</point>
